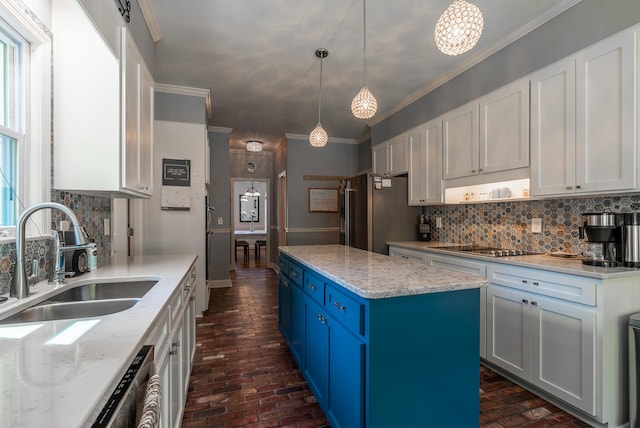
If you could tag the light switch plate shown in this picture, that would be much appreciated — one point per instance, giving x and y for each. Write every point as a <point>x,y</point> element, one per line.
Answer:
<point>438,222</point>
<point>220,220</point>
<point>107,227</point>
<point>386,182</point>
<point>536,225</point>
<point>64,225</point>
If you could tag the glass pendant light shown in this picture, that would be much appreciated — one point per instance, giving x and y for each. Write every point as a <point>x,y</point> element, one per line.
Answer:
<point>319,137</point>
<point>254,146</point>
<point>364,104</point>
<point>459,28</point>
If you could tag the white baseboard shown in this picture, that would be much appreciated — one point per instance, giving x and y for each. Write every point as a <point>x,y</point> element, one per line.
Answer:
<point>219,283</point>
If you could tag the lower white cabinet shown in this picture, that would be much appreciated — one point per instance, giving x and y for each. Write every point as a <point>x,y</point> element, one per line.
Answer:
<point>548,342</point>
<point>174,347</point>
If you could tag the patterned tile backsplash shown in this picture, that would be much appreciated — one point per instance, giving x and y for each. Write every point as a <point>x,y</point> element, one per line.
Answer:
<point>508,224</point>
<point>90,212</point>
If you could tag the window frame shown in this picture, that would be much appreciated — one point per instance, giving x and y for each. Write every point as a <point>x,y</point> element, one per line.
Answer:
<point>34,158</point>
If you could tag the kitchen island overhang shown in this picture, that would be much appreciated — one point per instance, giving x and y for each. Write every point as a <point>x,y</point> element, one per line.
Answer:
<point>413,355</point>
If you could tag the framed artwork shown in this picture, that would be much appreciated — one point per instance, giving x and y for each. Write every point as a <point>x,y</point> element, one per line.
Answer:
<point>323,200</point>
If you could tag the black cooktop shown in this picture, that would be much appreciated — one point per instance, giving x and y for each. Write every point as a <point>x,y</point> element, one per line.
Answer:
<point>488,251</point>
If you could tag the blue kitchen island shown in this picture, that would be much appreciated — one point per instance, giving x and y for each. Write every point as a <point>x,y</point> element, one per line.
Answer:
<point>382,341</point>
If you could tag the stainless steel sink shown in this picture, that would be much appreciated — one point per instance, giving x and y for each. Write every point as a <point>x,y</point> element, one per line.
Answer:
<point>104,291</point>
<point>47,311</point>
<point>82,301</point>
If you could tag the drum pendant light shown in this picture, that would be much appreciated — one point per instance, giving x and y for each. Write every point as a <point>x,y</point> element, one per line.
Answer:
<point>459,28</point>
<point>364,104</point>
<point>319,137</point>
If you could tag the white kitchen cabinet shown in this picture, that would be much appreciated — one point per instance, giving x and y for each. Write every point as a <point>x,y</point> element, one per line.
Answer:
<point>97,113</point>
<point>460,141</point>
<point>137,116</point>
<point>407,254</point>
<point>391,157</point>
<point>582,121</point>
<point>524,335</point>
<point>490,134</point>
<point>504,128</point>
<point>425,163</point>
<point>173,338</point>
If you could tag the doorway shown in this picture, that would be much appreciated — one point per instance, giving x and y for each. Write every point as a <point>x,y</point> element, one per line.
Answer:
<point>250,223</point>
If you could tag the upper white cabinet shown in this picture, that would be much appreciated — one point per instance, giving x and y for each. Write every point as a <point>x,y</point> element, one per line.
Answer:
<point>103,109</point>
<point>460,141</point>
<point>582,121</point>
<point>490,134</point>
<point>391,157</point>
<point>425,175</point>
<point>137,115</point>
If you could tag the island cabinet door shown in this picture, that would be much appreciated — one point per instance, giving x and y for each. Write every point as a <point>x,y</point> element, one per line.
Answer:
<point>316,350</point>
<point>284,307</point>
<point>296,332</point>
<point>508,330</point>
<point>563,359</point>
<point>346,378</point>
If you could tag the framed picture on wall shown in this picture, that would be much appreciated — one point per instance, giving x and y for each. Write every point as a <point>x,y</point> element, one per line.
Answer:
<point>323,200</point>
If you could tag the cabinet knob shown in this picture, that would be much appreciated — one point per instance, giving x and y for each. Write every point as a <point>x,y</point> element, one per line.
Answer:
<point>322,318</point>
<point>473,170</point>
<point>339,306</point>
<point>578,187</point>
<point>192,298</point>
<point>534,303</point>
<point>293,273</point>
<point>536,283</point>
<point>285,283</point>
<point>524,281</point>
<point>569,188</point>
<point>312,287</point>
<point>480,170</point>
<point>525,301</point>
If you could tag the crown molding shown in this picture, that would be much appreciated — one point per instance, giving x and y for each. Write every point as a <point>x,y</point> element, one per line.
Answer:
<point>219,129</point>
<point>185,90</point>
<point>151,20</point>
<point>477,58</point>
<point>331,139</point>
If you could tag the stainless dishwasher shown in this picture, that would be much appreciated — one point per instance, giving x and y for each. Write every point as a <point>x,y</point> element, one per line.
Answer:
<point>123,408</point>
<point>634,370</point>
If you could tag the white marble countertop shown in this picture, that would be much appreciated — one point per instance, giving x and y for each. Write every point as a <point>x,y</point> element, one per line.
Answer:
<point>376,276</point>
<point>66,385</point>
<point>572,266</point>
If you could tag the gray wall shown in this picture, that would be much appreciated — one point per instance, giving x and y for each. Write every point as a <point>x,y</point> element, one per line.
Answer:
<point>220,198</point>
<point>582,25</point>
<point>303,159</point>
<point>180,108</point>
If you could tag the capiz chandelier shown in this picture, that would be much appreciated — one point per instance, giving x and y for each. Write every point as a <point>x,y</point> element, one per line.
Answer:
<point>319,137</point>
<point>364,104</point>
<point>459,28</point>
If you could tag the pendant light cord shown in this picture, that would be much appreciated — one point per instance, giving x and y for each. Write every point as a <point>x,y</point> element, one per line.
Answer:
<point>320,94</point>
<point>364,34</point>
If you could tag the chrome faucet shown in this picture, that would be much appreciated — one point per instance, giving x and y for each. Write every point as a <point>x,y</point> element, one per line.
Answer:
<point>19,281</point>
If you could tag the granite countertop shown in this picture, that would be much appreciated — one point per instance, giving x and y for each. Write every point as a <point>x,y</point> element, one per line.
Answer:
<point>572,266</point>
<point>47,385</point>
<point>376,276</point>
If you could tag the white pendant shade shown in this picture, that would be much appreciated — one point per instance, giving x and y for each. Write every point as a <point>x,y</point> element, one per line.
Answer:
<point>318,137</point>
<point>364,104</point>
<point>459,28</point>
<point>254,146</point>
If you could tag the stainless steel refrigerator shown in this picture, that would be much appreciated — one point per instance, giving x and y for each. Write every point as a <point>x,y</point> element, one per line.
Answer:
<point>369,217</point>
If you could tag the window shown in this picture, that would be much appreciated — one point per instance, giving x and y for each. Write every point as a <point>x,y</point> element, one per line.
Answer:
<point>12,114</point>
<point>25,118</point>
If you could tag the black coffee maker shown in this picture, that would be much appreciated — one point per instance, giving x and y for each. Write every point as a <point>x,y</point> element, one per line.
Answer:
<point>602,234</point>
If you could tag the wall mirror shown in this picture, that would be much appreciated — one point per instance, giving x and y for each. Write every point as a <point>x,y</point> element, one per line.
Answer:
<point>249,208</point>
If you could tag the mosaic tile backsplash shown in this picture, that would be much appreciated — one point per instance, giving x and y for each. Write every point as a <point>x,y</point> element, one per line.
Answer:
<point>508,224</point>
<point>90,212</point>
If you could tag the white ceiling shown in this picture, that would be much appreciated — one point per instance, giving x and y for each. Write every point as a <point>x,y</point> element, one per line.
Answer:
<point>257,56</point>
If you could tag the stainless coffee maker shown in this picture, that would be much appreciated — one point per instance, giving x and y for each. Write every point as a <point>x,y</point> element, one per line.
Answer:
<point>631,240</point>
<point>602,233</point>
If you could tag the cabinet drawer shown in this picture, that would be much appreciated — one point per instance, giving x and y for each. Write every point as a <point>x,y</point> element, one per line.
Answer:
<point>295,273</point>
<point>314,286</point>
<point>459,265</point>
<point>407,254</point>
<point>567,287</point>
<point>345,309</point>
<point>283,264</point>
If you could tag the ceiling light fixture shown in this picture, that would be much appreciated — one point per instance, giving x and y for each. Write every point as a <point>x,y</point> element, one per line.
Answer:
<point>319,137</point>
<point>364,104</point>
<point>254,146</point>
<point>459,28</point>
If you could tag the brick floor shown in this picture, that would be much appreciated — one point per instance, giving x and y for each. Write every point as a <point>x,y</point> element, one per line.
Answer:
<point>244,376</point>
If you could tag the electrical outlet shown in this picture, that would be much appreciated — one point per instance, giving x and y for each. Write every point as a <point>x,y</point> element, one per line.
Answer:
<point>438,222</point>
<point>536,225</point>
<point>107,227</point>
<point>220,220</point>
<point>64,225</point>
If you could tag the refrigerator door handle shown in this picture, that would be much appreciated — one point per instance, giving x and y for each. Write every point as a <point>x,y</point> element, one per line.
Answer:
<point>347,217</point>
